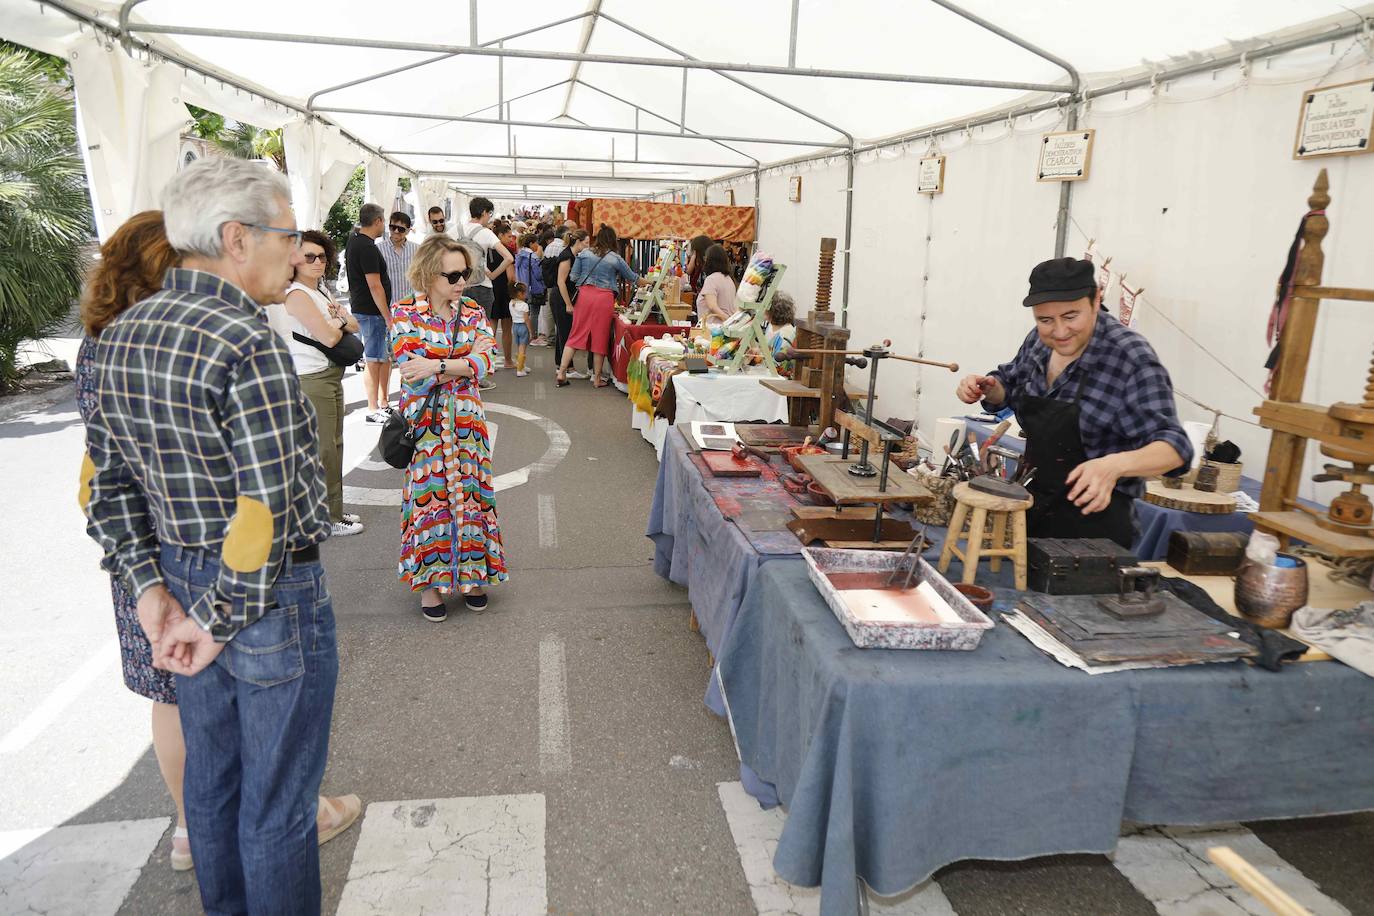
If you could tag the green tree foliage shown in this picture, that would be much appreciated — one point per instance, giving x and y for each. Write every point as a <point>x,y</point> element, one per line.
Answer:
<point>343,216</point>
<point>45,214</point>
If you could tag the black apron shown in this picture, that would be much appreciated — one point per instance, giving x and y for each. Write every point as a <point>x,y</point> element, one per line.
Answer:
<point>1054,447</point>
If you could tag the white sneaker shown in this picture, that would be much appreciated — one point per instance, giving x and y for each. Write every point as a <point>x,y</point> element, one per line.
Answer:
<point>485,385</point>
<point>378,416</point>
<point>345,528</point>
<point>521,373</point>
<point>350,517</point>
<point>573,373</point>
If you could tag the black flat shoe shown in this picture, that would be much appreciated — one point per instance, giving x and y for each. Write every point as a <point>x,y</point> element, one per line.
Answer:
<point>561,383</point>
<point>475,602</point>
<point>437,613</point>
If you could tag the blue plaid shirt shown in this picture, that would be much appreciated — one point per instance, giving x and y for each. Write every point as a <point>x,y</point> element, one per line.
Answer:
<point>1126,400</point>
<point>202,439</point>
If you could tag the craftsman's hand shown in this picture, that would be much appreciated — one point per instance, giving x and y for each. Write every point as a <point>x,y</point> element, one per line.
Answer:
<point>186,649</point>
<point>974,388</point>
<point>417,368</point>
<point>1091,483</point>
<point>158,610</point>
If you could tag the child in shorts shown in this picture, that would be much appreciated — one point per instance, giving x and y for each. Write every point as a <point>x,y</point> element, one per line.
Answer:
<point>520,317</point>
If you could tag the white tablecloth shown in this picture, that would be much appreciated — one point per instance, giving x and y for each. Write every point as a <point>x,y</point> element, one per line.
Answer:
<point>715,396</point>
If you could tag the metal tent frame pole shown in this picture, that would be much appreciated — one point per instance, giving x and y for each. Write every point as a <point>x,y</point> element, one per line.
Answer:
<point>459,154</point>
<point>575,57</point>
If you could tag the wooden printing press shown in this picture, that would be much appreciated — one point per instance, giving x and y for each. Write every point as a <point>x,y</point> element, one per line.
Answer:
<point>1344,431</point>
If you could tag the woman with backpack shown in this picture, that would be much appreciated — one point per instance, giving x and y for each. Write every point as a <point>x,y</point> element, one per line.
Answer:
<point>595,277</point>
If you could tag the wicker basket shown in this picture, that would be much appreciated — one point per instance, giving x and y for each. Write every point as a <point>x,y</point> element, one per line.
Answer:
<point>939,510</point>
<point>1228,475</point>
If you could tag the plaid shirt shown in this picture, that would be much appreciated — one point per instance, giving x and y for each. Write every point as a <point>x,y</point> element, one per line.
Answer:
<point>397,266</point>
<point>1126,400</point>
<point>202,439</point>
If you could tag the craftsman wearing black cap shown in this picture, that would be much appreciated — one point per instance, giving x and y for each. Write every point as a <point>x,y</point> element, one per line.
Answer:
<point>1096,407</point>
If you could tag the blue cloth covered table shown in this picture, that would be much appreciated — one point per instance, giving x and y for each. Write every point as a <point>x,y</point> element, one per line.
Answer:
<point>894,764</point>
<point>1154,523</point>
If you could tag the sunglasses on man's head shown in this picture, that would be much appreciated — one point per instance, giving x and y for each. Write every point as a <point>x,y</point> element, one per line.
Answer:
<point>396,228</point>
<point>312,257</point>
<point>453,276</point>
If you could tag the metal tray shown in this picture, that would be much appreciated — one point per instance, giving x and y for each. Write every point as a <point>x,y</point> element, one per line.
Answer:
<point>894,634</point>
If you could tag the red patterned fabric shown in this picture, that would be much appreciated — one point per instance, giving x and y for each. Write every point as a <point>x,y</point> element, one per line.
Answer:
<point>639,219</point>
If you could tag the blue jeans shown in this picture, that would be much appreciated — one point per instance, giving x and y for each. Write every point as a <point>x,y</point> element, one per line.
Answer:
<point>522,334</point>
<point>376,346</point>
<point>256,723</point>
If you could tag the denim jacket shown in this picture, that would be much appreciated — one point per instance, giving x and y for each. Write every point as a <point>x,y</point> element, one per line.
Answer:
<point>590,269</point>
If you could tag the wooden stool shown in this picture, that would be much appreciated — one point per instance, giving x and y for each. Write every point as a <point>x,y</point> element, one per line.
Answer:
<point>976,507</point>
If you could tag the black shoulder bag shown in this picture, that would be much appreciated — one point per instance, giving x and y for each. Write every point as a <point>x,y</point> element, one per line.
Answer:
<point>346,352</point>
<point>398,439</point>
<point>577,288</point>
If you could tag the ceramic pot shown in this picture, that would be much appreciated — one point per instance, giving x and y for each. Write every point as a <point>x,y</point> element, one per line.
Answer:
<point>1268,595</point>
<point>979,597</point>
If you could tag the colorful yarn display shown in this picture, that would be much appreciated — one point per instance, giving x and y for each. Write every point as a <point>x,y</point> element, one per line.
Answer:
<point>756,277</point>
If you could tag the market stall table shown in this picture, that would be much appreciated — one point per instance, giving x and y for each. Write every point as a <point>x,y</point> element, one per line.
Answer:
<point>715,395</point>
<point>894,764</point>
<point>813,717</point>
<point>625,333</point>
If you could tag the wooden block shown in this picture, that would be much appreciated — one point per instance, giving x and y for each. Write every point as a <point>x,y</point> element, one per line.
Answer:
<point>1304,527</point>
<point>1189,499</point>
<point>832,475</point>
<point>858,428</point>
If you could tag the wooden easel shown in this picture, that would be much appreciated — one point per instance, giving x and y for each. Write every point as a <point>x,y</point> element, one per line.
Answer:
<point>755,333</point>
<point>1344,431</point>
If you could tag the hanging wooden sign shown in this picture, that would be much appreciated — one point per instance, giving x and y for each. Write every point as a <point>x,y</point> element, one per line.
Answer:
<point>794,189</point>
<point>930,175</point>
<point>729,197</point>
<point>1335,120</point>
<point>1065,155</point>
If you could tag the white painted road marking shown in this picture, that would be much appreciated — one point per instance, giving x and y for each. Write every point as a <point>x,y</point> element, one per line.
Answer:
<point>548,522</point>
<point>1169,866</point>
<point>450,855</point>
<point>559,443</point>
<point>84,870</point>
<point>555,745</point>
<point>66,693</point>
<point>756,834</point>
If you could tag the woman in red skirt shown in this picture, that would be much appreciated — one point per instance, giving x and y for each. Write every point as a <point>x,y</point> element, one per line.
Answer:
<point>595,276</point>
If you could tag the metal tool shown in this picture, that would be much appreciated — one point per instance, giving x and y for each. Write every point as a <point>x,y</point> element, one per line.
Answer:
<point>1136,596</point>
<point>908,562</point>
<point>996,486</point>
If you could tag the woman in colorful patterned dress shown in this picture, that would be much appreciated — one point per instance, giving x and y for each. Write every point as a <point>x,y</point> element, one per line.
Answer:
<point>443,343</point>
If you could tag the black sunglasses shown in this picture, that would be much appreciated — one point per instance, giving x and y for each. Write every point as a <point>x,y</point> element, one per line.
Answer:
<point>436,222</point>
<point>453,276</point>
<point>395,228</point>
<point>312,257</point>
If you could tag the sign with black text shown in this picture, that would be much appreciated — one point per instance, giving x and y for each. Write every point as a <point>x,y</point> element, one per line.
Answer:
<point>1335,120</point>
<point>1066,155</point>
<point>930,175</point>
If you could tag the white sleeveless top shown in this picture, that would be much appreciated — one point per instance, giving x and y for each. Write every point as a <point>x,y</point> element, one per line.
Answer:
<point>306,358</point>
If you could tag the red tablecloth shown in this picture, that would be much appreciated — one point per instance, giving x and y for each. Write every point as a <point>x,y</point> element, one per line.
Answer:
<point>624,333</point>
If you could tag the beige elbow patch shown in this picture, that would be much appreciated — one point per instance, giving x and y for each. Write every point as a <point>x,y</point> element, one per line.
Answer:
<point>87,474</point>
<point>249,539</point>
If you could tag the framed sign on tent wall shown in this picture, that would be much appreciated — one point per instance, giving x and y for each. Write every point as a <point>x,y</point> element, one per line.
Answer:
<point>930,175</point>
<point>1335,120</point>
<point>729,197</point>
<point>794,189</point>
<point>1065,155</point>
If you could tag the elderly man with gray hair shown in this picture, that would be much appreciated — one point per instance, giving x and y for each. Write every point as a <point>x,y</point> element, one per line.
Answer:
<point>204,488</point>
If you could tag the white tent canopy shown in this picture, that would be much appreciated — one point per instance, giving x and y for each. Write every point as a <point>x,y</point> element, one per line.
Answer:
<point>547,100</point>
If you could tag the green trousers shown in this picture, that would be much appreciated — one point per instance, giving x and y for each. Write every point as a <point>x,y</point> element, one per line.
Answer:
<point>325,392</point>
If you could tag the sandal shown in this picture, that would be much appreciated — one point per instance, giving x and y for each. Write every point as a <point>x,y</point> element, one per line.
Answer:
<point>340,818</point>
<point>561,382</point>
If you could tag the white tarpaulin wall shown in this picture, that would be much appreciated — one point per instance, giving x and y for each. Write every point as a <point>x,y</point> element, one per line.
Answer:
<point>1193,193</point>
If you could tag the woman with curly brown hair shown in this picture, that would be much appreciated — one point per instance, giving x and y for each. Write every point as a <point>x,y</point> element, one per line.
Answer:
<point>131,267</point>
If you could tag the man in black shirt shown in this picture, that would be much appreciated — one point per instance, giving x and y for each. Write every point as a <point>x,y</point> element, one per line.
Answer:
<point>369,296</point>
